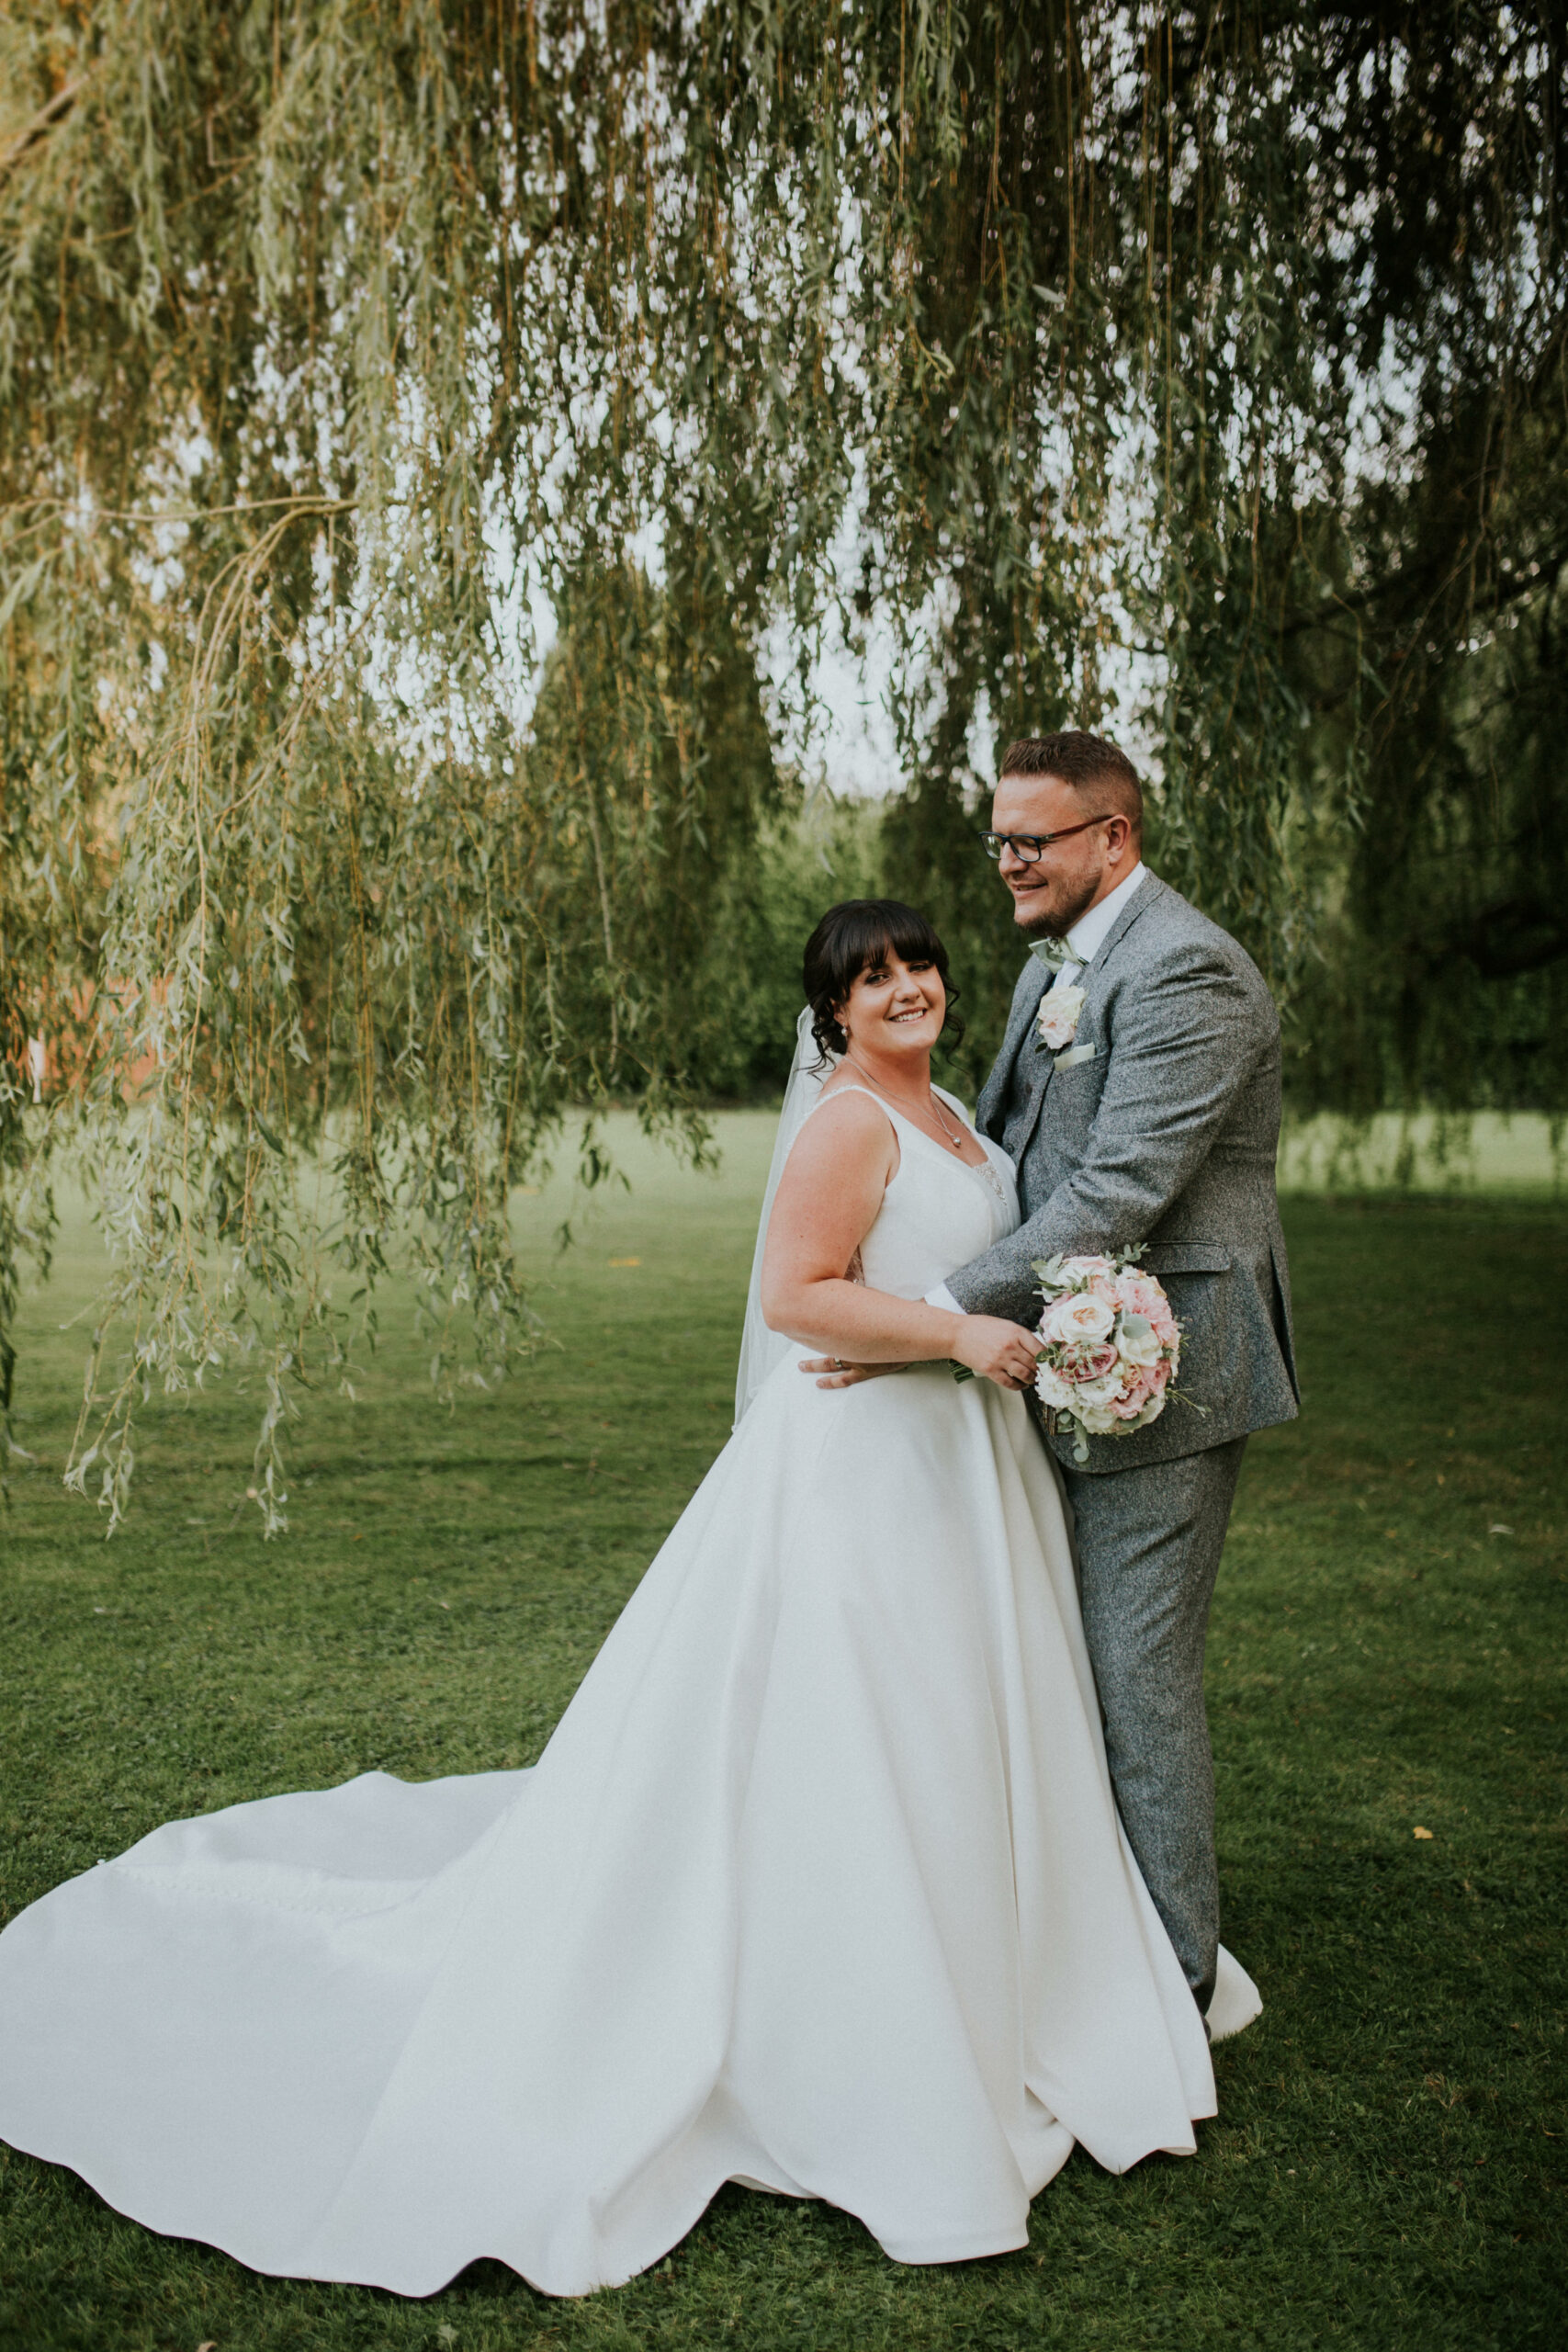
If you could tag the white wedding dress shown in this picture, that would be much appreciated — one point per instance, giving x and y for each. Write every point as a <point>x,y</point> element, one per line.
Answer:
<point>819,1885</point>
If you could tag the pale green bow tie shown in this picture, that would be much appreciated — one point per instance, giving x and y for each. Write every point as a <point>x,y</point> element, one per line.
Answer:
<point>1052,953</point>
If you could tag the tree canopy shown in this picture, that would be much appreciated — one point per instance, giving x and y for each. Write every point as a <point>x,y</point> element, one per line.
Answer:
<point>416,418</point>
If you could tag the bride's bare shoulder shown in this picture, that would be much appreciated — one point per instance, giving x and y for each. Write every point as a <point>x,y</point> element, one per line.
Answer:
<point>855,1108</point>
<point>842,1081</point>
<point>848,1130</point>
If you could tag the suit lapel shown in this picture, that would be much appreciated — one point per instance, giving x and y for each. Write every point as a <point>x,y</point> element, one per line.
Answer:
<point>1144,896</point>
<point>1149,890</point>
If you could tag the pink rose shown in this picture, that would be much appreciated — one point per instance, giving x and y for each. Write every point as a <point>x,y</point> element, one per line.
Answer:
<point>1092,1363</point>
<point>1139,1293</point>
<point>1140,1387</point>
<point>1146,1383</point>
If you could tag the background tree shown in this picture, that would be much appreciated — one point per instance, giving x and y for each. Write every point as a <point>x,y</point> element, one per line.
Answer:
<point>412,417</point>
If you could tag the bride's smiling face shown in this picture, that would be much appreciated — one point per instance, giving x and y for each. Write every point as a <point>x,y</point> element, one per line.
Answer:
<point>895,1007</point>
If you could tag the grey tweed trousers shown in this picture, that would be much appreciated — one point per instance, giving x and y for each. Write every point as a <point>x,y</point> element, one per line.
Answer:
<point>1148,1544</point>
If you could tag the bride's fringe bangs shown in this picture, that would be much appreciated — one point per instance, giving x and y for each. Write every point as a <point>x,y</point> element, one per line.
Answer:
<point>858,932</point>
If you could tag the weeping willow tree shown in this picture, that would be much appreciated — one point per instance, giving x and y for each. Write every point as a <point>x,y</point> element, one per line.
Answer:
<point>1230,396</point>
<point>416,418</point>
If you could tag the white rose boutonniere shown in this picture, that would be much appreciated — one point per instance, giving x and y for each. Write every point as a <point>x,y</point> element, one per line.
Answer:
<point>1058,1017</point>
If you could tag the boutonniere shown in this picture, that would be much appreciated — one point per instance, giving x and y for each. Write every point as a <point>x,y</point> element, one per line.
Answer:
<point>1057,1021</point>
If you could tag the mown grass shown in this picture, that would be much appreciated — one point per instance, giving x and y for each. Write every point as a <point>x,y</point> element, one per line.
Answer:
<point>1388,2166</point>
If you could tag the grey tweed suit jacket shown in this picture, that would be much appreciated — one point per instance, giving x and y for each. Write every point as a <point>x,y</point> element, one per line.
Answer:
<point>1164,1132</point>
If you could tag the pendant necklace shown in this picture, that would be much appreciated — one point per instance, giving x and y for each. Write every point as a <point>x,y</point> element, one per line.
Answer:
<point>953,1142</point>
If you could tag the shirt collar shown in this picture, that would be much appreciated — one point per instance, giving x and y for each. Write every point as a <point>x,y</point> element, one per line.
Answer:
<point>1088,935</point>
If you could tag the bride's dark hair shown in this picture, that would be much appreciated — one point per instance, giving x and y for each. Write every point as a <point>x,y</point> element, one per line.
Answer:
<point>850,938</point>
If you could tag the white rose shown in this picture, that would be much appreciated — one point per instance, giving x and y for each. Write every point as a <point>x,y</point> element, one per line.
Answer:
<point>1137,1341</point>
<point>1059,1018</point>
<point>1083,1268</point>
<point>1088,1395</point>
<point>1077,1318</point>
<point>1053,1390</point>
<point>1098,1419</point>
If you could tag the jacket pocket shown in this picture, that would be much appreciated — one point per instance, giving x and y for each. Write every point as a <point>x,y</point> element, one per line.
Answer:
<point>1186,1258</point>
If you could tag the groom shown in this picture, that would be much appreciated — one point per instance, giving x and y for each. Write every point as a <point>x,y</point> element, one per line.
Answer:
<point>1147,1110</point>
<point>1143,1111</point>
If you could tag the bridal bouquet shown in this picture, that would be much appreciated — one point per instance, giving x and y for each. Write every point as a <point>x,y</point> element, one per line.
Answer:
<point>1112,1346</point>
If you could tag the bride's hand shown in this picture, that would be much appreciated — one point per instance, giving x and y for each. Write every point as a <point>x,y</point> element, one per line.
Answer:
<point>988,1345</point>
<point>836,1373</point>
<point>996,1350</point>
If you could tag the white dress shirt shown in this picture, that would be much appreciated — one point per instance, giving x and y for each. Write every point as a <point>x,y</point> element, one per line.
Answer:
<point>1084,942</point>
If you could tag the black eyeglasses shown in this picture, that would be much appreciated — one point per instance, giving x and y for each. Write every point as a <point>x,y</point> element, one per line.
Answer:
<point>1029,848</point>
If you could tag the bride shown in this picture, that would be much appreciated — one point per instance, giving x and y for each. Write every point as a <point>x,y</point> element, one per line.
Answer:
<point>819,1885</point>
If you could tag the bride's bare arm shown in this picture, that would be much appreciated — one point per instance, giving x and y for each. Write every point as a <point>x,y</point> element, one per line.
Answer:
<point>826,1204</point>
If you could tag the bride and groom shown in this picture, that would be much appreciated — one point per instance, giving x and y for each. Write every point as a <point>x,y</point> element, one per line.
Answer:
<point>872,1860</point>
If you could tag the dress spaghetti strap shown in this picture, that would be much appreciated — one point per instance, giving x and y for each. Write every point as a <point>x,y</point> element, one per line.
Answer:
<point>902,1119</point>
<point>854,1088</point>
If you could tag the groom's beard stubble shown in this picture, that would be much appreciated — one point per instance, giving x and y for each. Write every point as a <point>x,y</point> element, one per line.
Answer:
<point>1059,921</point>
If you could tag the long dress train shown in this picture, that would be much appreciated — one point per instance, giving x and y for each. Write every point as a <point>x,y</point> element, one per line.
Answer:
<point>819,1884</point>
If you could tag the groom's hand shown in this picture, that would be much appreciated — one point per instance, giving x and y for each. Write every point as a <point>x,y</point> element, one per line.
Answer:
<point>836,1373</point>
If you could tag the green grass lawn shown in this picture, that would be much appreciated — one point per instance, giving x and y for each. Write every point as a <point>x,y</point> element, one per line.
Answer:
<point>1388,2166</point>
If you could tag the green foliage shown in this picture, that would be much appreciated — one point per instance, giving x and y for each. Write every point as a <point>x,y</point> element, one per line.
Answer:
<point>1235,351</point>
<point>412,417</point>
<point>332,342</point>
<point>742,992</point>
<point>639,875</point>
<point>1440,967</point>
<point>1382,2172</point>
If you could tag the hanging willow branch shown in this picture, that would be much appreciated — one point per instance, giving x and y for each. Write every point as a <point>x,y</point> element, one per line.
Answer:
<point>412,417</point>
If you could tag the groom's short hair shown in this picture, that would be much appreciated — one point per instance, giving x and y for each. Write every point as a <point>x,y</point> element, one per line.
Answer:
<point>1089,763</point>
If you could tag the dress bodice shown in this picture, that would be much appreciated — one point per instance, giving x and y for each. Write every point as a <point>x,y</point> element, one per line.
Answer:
<point>937,1214</point>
